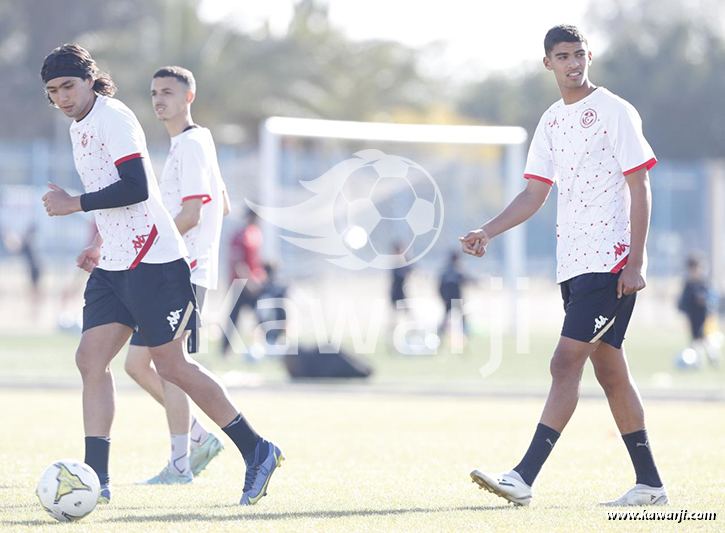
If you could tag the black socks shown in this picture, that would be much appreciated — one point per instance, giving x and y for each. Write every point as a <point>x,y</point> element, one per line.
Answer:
<point>97,451</point>
<point>242,434</point>
<point>538,452</point>
<point>644,464</point>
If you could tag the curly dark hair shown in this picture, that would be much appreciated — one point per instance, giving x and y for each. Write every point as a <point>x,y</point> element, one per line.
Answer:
<point>563,33</point>
<point>72,56</point>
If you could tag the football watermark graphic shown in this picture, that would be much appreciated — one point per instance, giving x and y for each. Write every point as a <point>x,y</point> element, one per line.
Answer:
<point>370,211</point>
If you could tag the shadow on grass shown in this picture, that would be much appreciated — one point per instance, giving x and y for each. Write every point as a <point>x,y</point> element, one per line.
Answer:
<point>27,523</point>
<point>18,505</point>
<point>186,517</point>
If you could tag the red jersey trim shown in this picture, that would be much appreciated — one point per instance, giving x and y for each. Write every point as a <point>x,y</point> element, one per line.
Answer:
<point>619,265</point>
<point>192,266</point>
<point>127,158</point>
<point>146,247</point>
<point>205,198</point>
<point>648,165</point>
<point>538,178</point>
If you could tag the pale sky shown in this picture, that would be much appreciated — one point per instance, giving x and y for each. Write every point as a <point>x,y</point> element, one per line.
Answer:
<point>477,36</point>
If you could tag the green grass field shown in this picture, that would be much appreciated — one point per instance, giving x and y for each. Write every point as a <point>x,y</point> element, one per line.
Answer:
<point>366,463</point>
<point>48,359</point>
<point>389,454</point>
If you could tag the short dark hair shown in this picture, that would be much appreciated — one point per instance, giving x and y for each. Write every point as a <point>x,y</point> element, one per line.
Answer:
<point>76,58</point>
<point>180,73</point>
<point>563,33</point>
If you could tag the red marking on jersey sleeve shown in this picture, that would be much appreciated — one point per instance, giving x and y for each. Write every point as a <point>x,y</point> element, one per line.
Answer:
<point>648,165</point>
<point>192,266</point>
<point>538,178</point>
<point>205,198</point>
<point>145,242</point>
<point>127,158</point>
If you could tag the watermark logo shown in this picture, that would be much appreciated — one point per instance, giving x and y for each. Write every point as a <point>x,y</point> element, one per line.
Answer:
<point>370,211</point>
<point>410,329</point>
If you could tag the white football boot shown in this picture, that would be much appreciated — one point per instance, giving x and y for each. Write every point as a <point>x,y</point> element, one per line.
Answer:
<point>641,495</point>
<point>509,486</point>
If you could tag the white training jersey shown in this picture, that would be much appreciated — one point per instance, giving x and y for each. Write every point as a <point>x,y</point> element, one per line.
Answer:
<point>140,233</point>
<point>587,148</point>
<point>192,171</point>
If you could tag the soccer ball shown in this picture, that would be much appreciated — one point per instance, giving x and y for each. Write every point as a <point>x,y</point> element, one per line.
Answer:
<point>68,490</point>
<point>390,211</point>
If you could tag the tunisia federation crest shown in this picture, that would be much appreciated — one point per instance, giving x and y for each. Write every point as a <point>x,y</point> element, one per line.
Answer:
<point>589,117</point>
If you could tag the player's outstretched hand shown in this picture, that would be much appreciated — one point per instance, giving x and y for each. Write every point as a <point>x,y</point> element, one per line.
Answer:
<point>88,258</point>
<point>57,202</point>
<point>630,280</point>
<point>475,242</point>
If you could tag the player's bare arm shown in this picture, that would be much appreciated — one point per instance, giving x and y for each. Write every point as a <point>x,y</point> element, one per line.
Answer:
<point>58,202</point>
<point>189,216</point>
<point>523,207</point>
<point>632,278</point>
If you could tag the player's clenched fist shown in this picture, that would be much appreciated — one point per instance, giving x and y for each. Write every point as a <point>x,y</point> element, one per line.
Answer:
<point>475,242</point>
<point>57,202</point>
<point>88,258</point>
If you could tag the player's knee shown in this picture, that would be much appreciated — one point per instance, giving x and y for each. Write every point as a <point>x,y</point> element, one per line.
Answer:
<point>88,363</point>
<point>564,365</point>
<point>610,380</point>
<point>168,371</point>
<point>133,368</point>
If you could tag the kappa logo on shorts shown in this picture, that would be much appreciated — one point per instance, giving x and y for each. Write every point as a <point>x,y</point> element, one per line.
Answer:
<point>173,318</point>
<point>599,323</point>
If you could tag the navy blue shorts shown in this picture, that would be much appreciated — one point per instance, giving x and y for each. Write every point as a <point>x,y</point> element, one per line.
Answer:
<point>192,343</point>
<point>593,311</point>
<point>156,300</point>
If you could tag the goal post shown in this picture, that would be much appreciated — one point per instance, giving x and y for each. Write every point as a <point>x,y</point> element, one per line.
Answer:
<point>274,129</point>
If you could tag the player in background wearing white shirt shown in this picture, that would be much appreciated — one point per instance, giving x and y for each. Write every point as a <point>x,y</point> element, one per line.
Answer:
<point>193,192</point>
<point>591,144</point>
<point>139,278</point>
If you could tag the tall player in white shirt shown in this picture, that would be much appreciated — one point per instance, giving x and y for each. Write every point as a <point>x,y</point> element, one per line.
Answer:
<point>193,192</point>
<point>589,143</point>
<point>139,278</point>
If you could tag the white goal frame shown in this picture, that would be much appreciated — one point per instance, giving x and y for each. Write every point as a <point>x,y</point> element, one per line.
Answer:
<point>513,138</point>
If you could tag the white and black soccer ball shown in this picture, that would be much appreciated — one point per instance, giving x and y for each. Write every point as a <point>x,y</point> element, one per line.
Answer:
<point>68,490</point>
<point>389,201</point>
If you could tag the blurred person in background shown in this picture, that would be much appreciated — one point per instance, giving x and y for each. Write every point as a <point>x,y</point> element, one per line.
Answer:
<point>193,192</point>
<point>273,288</point>
<point>699,302</point>
<point>398,280</point>
<point>25,245</point>
<point>450,288</point>
<point>29,252</point>
<point>246,264</point>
